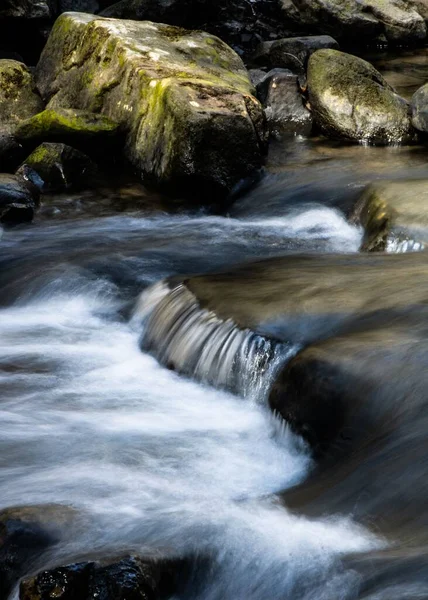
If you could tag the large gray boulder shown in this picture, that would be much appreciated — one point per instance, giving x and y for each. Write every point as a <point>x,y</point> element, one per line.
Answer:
<point>360,20</point>
<point>183,98</point>
<point>351,100</point>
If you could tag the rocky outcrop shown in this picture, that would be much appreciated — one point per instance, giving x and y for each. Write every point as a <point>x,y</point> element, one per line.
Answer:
<point>183,98</point>
<point>19,98</point>
<point>60,166</point>
<point>351,100</point>
<point>398,20</point>
<point>394,216</point>
<point>292,53</point>
<point>280,94</point>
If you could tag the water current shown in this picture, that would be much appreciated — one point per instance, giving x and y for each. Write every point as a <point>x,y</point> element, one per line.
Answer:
<point>154,459</point>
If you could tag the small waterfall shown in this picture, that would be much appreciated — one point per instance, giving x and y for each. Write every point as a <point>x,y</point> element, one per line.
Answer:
<point>195,342</point>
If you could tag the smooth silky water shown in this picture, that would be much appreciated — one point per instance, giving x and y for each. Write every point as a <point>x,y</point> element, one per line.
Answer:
<point>153,459</point>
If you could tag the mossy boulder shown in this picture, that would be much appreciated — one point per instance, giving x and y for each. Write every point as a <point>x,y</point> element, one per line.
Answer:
<point>394,215</point>
<point>183,98</point>
<point>19,98</point>
<point>398,20</point>
<point>351,100</point>
<point>28,9</point>
<point>60,166</point>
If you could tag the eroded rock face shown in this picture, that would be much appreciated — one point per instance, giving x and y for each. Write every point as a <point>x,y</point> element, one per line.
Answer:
<point>183,98</point>
<point>19,98</point>
<point>350,99</point>
<point>393,214</point>
<point>349,20</point>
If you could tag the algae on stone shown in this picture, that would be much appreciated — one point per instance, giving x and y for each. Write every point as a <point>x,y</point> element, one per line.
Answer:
<point>350,99</point>
<point>183,98</point>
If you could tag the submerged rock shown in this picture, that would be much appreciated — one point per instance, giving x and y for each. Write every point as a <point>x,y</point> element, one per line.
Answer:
<point>126,578</point>
<point>292,53</point>
<point>281,97</point>
<point>19,196</point>
<point>361,21</point>
<point>394,215</point>
<point>183,98</point>
<point>351,100</point>
<point>25,533</point>
<point>60,166</point>
<point>19,98</point>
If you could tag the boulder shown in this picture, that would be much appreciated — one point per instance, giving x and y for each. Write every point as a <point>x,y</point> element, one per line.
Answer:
<point>394,215</point>
<point>421,6</point>
<point>420,109</point>
<point>183,98</point>
<point>25,533</point>
<point>292,53</point>
<point>28,9</point>
<point>280,94</point>
<point>11,151</point>
<point>360,22</point>
<point>19,197</point>
<point>349,99</point>
<point>19,98</point>
<point>129,577</point>
<point>60,167</point>
<point>89,6</point>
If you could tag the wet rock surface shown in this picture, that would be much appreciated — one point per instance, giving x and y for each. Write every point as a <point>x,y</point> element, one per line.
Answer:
<point>292,53</point>
<point>281,96</point>
<point>349,99</point>
<point>18,199</point>
<point>25,534</point>
<point>393,214</point>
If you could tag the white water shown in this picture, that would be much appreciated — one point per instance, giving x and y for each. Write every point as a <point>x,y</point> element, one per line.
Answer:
<point>157,460</point>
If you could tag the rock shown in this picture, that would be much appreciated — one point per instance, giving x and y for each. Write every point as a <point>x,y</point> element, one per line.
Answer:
<point>60,166</point>
<point>421,6</point>
<point>68,125</point>
<point>394,215</point>
<point>125,578</point>
<point>89,6</point>
<point>28,9</point>
<point>292,53</point>
<point>198,128</point>
<point>25,534</point>
<point>11,151</point>
<point>279,92</point>
<point>238,22</point>
<point>18,199</point>
<point>420,109</point>
<point>351,100</point>
<point>360,21</point>
<point>256,76</point>
<point>19,98</point>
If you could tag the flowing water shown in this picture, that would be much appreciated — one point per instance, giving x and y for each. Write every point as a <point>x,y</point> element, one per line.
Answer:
<point>154,459</point>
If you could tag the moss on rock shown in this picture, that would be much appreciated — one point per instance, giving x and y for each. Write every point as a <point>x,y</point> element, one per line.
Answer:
<point>19,98</point>
<point>182,97</point>
<point>350,99</point>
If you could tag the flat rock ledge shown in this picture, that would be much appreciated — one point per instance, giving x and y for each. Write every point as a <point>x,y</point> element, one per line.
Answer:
<point>183,98</point>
